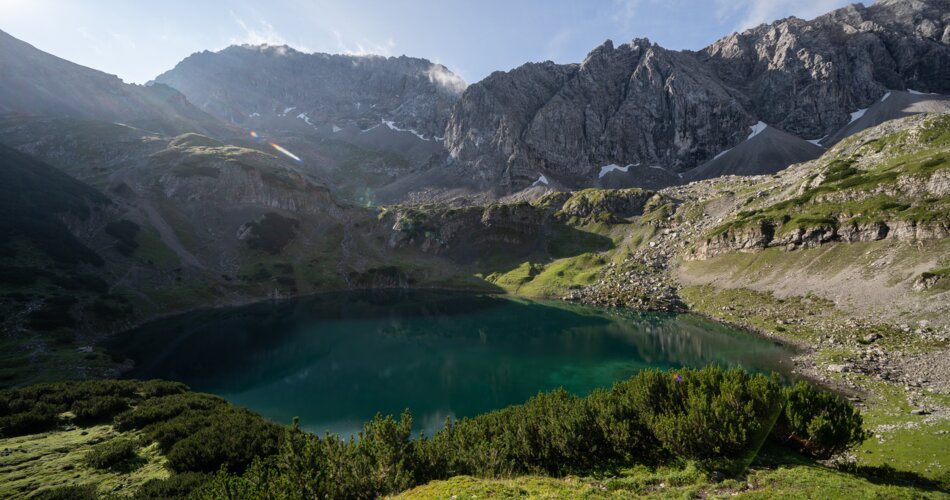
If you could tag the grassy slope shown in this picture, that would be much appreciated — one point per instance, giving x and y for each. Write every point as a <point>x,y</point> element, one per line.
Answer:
<point>57,458</point>
<point>860,181</point>
<point>763,481</point>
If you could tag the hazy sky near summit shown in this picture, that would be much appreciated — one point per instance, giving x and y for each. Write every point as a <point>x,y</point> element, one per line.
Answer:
<point>138,40</point>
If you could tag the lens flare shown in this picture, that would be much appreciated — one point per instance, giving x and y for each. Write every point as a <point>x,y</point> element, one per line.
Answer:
<point>254,134</point>
<point>281,149</point>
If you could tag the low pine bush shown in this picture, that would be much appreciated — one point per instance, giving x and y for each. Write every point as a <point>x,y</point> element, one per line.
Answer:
<point>818,423</point>
<point>112,454</point>
<point>717,417</point>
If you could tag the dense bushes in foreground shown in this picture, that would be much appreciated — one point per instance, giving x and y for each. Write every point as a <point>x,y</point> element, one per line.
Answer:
<point>714,417</point>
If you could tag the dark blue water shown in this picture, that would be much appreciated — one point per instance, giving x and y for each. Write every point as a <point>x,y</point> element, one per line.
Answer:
<point>335,360</point>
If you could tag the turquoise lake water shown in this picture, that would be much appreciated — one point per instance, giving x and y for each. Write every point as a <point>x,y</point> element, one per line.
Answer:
<point>335,360</point>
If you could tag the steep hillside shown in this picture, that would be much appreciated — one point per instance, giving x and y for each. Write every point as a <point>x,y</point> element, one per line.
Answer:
<point>33,82</point>
<point>893,105</point>
<point>767,150</point>
<point>888,183</point>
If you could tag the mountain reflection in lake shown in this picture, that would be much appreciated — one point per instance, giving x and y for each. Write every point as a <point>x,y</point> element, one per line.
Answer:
<point>335,360</point>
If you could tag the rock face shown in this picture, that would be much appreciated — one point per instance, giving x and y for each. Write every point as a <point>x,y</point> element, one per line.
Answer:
<point>806,77</point>
<point>641,104</point>
<point>759,237</point>
<point>468,233</point>
<point>257,85</point>
<point>636,103</point>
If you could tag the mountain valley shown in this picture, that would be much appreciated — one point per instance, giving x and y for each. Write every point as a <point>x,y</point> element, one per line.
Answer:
<point>791,180</point>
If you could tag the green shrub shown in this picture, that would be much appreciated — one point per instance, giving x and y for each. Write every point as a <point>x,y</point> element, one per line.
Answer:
<point>98,408</point>
<point>552,433</point>
<point>713,417</point>
<point>36,408</point>
<point>717,417</point>
<point>42,417</point>
<point>818,423</point>
<point>112,454</point>
<point>623,431</point>
<point>227,438</point>
<point>164,409</point>
<point>176,486</point>
<point>79,492</point>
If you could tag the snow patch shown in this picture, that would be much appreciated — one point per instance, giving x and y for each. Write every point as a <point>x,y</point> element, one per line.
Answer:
<point>857,115</point>
<point>886,95</point>
<point>254,115</point>
<point>541,180</point>
<point>606,169</point>
<point>392,125</point>
<point>757,129</point>
<point>817,142</point>
<point>917,92</point>
<point>287,110</point>
<point>336,129</point>
<point>720,154</point>
<point>305,118</point>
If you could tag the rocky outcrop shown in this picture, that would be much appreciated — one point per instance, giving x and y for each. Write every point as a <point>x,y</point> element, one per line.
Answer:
<point>601,205</point>
<point>641,104</point>
<point>261,85</point>
<point>763,235</point>
<point>195,169</point>
<point>467,233</point>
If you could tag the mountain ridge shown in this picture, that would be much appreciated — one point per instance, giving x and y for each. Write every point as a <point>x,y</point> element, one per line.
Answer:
<point>816,72</point>
<point>255,84</point>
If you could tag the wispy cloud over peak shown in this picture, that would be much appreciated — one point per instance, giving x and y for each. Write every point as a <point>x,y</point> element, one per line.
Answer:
<point>755,12</point>
<point>440,75</point>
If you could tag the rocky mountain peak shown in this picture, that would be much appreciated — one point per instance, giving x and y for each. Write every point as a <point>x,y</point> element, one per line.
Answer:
<point>638,103</point>
<point>275,87</point>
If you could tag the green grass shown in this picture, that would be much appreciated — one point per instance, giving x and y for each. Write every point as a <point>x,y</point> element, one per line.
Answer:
<point>153,250</point>
<point>763,311</point>
<point>794,480</point>
<point>59,458</point>
<point>531,279</point>
<point>906,442</point>
<point>562,275</point>
<point>943,278</point>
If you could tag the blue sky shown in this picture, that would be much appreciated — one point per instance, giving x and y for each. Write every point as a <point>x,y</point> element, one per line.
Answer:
<point>138,40</point>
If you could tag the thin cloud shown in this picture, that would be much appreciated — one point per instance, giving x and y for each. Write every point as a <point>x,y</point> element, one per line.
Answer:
<point>626,11</point>
<point>450,81</point>
<point>262,34</point>
<point>364,46</point>
<point>756,12</point>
